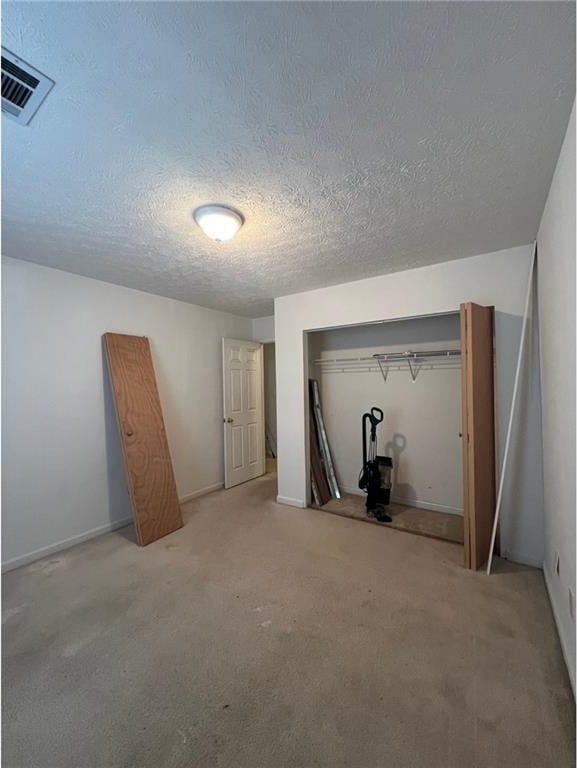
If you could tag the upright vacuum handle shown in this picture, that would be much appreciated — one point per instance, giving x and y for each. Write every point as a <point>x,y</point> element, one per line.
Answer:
<point>376,419</point>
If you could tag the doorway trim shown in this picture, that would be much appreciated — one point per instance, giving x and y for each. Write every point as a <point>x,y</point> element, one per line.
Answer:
<point>243,389</point>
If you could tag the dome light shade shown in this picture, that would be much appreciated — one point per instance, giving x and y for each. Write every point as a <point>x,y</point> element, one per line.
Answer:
<point>218,222</point>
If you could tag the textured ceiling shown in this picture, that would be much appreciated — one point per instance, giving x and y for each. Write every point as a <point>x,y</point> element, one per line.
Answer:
<point>357,139</point>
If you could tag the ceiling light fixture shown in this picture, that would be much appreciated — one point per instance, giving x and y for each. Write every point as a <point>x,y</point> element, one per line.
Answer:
<point>218,222</point>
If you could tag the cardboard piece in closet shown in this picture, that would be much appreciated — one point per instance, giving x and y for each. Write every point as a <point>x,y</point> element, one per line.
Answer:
<point>150,478</point>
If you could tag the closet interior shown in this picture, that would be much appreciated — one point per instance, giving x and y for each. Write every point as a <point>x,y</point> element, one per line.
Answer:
<point>432,378</point>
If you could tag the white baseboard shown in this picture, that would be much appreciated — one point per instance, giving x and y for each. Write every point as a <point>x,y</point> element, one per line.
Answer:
<point>428,505</point>
<point>30,557</point>
<point>50,549</point>
<point>354,490</point>
<point>291,502</point>
<point>411,502</point>
<point>200,492</point>
<point>569,661</point>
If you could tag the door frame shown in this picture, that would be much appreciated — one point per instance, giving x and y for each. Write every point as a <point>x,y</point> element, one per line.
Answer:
<point>225,425</point>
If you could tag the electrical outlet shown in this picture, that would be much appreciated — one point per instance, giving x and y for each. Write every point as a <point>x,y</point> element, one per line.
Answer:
<point>571,603</point>
<point>557,563</point>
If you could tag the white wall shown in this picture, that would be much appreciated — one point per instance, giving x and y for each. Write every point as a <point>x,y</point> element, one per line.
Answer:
<point>556,286</point>
<point>63,477</point>
<point>497,279</point>
<point>422,420</point>
<point>263,329</point>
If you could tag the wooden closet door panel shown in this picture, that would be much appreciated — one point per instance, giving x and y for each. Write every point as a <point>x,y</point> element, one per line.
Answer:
<point>150,478</point>
<point>478,431</point>
<point>465,386</point>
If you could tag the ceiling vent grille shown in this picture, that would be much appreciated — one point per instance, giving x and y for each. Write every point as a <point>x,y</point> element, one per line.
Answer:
<point>24,88</point>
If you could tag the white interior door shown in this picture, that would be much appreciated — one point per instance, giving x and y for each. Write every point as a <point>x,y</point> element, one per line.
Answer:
<point>244,449</point>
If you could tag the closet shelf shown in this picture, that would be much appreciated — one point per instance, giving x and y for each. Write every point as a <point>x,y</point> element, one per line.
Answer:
<point>426,359</point>
<point>415,360</point>
<point>422,354</point>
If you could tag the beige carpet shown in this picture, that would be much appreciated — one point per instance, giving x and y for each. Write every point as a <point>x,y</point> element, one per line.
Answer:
<point>424,522</point>
<point>263,636</point>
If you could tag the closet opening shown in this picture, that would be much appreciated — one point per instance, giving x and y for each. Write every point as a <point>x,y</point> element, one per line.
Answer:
<point>432,378</point>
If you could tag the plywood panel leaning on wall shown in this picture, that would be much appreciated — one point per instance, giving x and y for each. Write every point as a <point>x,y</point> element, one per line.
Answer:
<point>150,477</point>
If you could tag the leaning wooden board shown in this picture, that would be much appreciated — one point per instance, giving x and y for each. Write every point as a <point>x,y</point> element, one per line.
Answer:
<point>155,508</point>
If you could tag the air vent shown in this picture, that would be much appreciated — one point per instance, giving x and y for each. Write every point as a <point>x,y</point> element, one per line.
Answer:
<point>23,88</point>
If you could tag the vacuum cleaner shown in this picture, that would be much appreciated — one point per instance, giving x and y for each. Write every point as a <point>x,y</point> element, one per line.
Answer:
<point>375,476</point>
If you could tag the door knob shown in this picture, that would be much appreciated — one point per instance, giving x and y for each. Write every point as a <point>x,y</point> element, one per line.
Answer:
<point>129,433</point>
<point>229,420</point>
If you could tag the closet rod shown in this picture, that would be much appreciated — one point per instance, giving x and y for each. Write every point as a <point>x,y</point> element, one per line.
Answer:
<point>422,355</point>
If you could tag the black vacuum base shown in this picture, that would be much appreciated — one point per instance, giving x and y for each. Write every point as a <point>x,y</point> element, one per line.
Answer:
<point>379,514</point>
